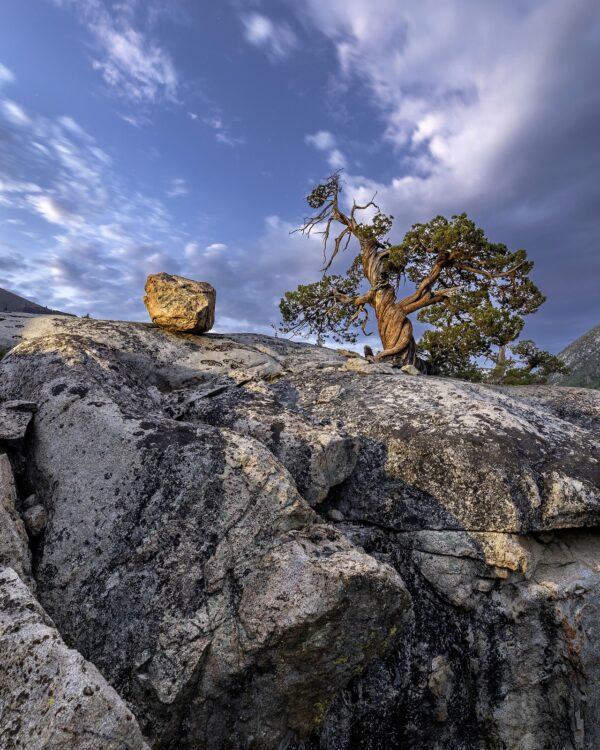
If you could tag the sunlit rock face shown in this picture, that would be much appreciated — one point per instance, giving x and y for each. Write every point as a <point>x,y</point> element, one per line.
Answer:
<point>179,304</point>
<point>259,546</point>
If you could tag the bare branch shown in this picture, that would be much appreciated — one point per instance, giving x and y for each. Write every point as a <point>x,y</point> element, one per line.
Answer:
<point>338,241</point>
<point>474,269</point>
<point>356,207</point>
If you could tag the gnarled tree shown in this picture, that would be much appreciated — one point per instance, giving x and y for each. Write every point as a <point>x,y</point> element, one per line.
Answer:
<point>450,263</point>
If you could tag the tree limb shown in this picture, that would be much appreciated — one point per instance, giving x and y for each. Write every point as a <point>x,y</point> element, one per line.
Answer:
<point>474,269</point>
<point>430,299</point>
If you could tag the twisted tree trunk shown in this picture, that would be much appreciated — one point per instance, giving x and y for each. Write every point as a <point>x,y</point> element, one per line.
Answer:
<point>394,326</point>
<point>393,322</point>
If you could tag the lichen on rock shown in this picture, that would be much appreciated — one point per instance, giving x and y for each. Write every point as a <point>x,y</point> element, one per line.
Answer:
<point>259,546</point>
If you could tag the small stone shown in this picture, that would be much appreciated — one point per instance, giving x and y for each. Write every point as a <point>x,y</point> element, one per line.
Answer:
<point>179,304</point>
<point>336,515</point>
<point>30,501</point>
<point>348,353</point>
<point>87,690</point>
<point>410,370</point>
<point>358,364</point>
<point>35,519</point>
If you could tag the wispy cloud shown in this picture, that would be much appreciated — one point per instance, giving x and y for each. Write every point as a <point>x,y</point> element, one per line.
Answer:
<point>6,75</point>
<point>323,140</point>
<point>277,40</point>
<point>91,233</point>
<point>222,132</point>
<point>134,65</point>
<point>15,112</point>
<point>453,111</point>
<point>54,211</point>
<point>177,188</point>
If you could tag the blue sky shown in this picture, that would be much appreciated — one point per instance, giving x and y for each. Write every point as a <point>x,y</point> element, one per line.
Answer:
<point>182,135</point>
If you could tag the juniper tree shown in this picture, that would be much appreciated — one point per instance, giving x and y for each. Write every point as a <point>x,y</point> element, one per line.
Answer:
<point>529,364</point>
<point>445,271</point>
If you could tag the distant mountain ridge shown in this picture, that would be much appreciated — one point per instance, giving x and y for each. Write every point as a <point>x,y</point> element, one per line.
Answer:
<point>583,358</point>
<point>10,302</point>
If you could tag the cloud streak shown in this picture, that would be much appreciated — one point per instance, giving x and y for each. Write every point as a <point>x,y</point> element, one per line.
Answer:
<point>135,66</point>
<point>277,40</point>
<point>6,75</point>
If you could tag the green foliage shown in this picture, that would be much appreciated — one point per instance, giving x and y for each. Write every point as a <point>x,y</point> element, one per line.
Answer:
<point>315,308</point>
<point>488,270</point>
<point>493,293</point>
<point>467,329</point>
<point>533,365</point>
<point>378,228</point>
<point>323,192</point>
<point>320,712</point>
<point>450,351</point>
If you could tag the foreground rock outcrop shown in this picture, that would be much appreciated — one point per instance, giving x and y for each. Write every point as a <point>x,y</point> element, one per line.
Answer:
<point>50,697</point>
<point>263,544</point>
<point>179,304</point>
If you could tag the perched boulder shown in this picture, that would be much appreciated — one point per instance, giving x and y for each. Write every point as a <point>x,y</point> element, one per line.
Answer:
<point>179,304</point>
<point>50,697</point>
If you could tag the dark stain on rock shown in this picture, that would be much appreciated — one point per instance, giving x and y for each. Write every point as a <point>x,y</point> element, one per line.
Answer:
<point>79,390</point>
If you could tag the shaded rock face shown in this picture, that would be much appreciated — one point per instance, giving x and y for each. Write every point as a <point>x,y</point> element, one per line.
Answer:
<point>50,697</point>
<point>14,548</point>
<point>179,304</point>
<point>179,556</point>
<point>261,547</point>
<point>501,650</point>
<point>15,417</point>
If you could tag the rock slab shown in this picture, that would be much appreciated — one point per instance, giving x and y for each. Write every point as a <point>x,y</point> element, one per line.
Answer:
<point>231,520</point>
<point>15,417</point>
<point>51,698</point>
<point>180,305</point>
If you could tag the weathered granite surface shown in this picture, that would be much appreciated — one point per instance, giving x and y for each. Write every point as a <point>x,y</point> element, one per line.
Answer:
<point>264,544</point>
<point>50,697</point>
<point>14,548</point>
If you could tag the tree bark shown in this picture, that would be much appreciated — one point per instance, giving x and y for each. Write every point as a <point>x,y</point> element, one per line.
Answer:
<point>393,323</point>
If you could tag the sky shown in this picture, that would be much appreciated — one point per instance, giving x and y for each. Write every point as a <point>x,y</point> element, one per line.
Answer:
<point>139,136</point>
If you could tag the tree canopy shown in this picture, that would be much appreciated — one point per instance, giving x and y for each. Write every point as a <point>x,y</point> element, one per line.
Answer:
<point>472,292</point>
